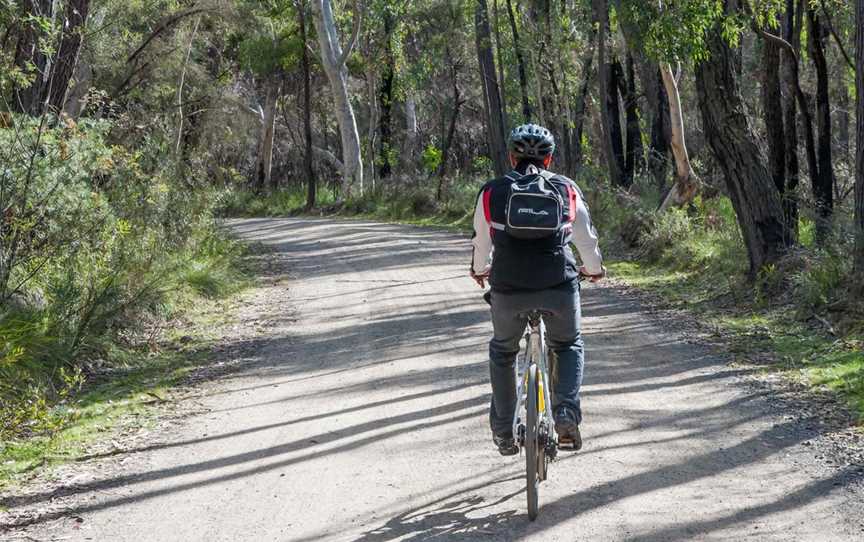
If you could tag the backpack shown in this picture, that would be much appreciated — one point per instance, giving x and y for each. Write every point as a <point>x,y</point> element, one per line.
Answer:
<point>535,209</point>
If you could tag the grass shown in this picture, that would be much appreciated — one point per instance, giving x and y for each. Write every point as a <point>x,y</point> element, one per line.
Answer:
<point>803,350</point>
<point>130,388</point>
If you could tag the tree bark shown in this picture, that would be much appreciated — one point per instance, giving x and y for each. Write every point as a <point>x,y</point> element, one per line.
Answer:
<point>63,67</point>
<point>859,155</point>
<point>495,127</point>
<point>497,32</point>
<point>28,53</point>
<point>635,157</point>
<point>792,34</point>
<point>754,197</point>
<point>311,186</point>
<point>823,183</point>
<point>613,125</point>
<point>333,59</point>
<point>520,64</point>
<point>581,108</point>
<point>601,18</point>
<point>385,97</point>
<point>772,108</point>
<point>264,162</point>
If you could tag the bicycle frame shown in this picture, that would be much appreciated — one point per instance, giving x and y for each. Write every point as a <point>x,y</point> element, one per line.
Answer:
<point>534,353</point>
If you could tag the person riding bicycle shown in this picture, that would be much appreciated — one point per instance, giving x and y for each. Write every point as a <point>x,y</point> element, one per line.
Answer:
<point>524,224</point>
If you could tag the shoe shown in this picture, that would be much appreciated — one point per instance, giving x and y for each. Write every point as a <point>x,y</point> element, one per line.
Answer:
<point>567,428</point>
<point>506,445</point>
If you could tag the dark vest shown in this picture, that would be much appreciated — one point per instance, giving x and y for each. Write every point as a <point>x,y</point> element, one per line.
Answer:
<point>524,265</point>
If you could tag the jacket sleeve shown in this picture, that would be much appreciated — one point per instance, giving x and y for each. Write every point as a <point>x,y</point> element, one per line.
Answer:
<point>481,261</point>
<point>584,234</point>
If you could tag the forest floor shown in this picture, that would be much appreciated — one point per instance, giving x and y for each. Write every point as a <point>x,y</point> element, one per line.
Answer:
<point>356,409</point>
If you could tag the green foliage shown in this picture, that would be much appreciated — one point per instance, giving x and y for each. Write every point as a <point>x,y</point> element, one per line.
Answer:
<point>820,279</point>
<point>431,158</point>
<point>90,243</point>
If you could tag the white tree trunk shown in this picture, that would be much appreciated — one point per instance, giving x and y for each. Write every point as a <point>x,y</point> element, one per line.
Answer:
<point>686,182</point>
<point>264,163</point>
<point>333,61</point>
<point>411,127</point>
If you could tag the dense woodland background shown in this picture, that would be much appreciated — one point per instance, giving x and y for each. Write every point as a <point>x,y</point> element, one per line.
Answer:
<point>719,143</point>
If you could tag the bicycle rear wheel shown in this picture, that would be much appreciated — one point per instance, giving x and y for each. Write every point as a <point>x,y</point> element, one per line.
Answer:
<point>533,453</point>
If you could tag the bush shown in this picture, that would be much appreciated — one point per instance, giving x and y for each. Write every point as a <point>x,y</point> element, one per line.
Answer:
<point>94,236</point>
<point>820,280</point>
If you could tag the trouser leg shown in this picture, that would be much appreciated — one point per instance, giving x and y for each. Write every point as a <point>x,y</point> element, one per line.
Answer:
<point>503,348</point>
<point>564,335</point>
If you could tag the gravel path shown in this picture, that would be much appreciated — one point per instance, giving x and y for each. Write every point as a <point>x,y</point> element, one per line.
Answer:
<point>360,415</point>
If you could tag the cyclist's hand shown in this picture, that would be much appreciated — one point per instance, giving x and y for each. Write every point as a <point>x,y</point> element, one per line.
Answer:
<point>480,279</point>
<point>593,278</point>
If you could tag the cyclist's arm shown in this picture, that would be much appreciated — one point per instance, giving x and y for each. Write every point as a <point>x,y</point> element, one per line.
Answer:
<point>585,236</point>
<point>481,260</point>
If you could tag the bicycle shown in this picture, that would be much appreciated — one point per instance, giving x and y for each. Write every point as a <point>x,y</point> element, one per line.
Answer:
<point>533,425</point>
<point>536,435</point>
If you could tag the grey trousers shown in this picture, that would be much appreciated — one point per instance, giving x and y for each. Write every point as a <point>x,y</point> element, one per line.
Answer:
<point>563,335</point>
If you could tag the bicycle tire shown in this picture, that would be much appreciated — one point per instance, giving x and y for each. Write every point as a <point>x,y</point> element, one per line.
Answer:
<point>532,446</point>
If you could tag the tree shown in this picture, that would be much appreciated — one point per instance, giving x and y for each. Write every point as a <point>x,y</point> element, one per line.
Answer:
<point>859,156</point>
<point>385,94</point>
<point>333,59</point>
<point>307,108</point>
<point>823,181</point>
<point>613,163</point>
<point>789,193</point>
<point>495,126</point>
<point>52,70</point>
<point>520,64</point>
<point>754,197</point>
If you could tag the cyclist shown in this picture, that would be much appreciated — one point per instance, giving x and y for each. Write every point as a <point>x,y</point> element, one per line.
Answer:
<point>524,224</point>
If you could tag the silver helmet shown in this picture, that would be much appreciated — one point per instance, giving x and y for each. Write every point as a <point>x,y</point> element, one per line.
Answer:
<point>531,141</point>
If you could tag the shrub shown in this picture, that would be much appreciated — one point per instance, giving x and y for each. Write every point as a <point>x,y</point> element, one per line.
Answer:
<point>93,236</point>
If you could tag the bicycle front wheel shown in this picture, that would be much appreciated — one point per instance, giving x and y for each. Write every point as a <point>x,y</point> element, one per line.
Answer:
<point>533,453</point>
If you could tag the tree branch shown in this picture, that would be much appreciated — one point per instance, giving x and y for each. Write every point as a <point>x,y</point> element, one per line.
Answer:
<point>355,35</point>
<point>163,26</point>
<point>836,37</point>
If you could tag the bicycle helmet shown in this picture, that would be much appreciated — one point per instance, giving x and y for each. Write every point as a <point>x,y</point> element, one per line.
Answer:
<point>531,141</point>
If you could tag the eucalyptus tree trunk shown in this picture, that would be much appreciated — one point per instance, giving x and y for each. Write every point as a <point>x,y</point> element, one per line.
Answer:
<point>686,181</point>
<point>496,22</point>
<point>823,182</point>
<point>635,154</point>
<point>264,162</point>
<point>311,187</point>
<point>581,110</point>
<point>520,64</point>
<point>63,66</point>
<point>792,35</point>
<point>601,18</point>
<point>495,127</point>
<point>772,111</point>
<point>613,124</point>
<point>411,127</point>
<point>859,155</point>
<point>754,197</point>
<point>29,55</point>
<point>385,97</point>
<point>333,59</point>
<point>656,111</point>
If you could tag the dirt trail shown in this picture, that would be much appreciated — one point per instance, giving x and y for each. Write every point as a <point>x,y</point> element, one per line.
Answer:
<point>362,417</point>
